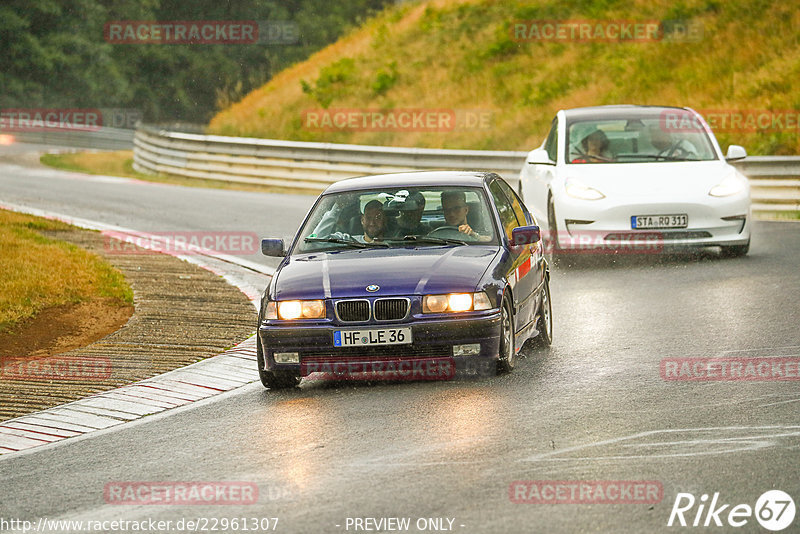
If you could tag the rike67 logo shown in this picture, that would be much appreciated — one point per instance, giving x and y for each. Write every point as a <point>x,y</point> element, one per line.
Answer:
<point>774,510</point>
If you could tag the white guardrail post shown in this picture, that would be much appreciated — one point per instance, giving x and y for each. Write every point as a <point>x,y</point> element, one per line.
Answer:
<point>775,180</point>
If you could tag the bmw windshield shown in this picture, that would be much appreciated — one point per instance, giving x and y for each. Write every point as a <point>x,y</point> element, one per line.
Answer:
<point>398,217</point>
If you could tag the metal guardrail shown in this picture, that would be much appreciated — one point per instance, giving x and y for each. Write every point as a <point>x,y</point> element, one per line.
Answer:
<point>297,164</point>
<point>775,180</point>
<point>774,184</point>
<point>102,138</point>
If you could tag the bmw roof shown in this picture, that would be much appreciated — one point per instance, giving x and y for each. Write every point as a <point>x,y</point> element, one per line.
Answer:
<point>411,179</point>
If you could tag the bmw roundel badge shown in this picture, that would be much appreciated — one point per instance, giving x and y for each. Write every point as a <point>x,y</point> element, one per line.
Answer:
<point>372,288</point>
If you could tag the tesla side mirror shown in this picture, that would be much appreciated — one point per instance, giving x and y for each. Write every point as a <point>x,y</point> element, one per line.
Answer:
<point>735,152</point>
<point>525,235</point>
<point>273,247</point>
<point>539,157</point>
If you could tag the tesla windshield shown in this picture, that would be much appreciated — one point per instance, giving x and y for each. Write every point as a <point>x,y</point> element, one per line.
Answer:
<point>636,140</point>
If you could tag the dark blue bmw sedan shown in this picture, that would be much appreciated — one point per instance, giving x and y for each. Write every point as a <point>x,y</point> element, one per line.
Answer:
<point>410,275</point>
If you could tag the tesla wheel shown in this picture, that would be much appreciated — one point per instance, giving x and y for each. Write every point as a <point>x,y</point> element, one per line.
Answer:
<point>736,251</point>
<point>545,323</point>
<point>551,246</point>
<point>507,360</point>
<point>274,379</point>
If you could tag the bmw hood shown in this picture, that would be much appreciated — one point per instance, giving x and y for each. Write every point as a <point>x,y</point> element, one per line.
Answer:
<point>661,180</point>
<point>398,271</point>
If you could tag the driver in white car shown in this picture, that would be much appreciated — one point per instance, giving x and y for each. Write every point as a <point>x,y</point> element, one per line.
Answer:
<point>596,147</point>
<point>667,146</point>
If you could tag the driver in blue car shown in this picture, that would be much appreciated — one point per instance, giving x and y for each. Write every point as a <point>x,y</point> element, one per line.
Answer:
<point>455,208</point>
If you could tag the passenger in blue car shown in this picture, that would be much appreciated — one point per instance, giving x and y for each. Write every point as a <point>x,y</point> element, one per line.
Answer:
<point>373,221</point>
<point>411,207</point>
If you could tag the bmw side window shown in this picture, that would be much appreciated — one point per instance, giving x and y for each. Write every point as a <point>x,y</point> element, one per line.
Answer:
<point>515,203</point>
<point>551,144</point>
<point>507,216</point>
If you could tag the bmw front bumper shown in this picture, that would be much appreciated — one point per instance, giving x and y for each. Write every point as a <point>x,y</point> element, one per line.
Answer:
<point>434,339</point>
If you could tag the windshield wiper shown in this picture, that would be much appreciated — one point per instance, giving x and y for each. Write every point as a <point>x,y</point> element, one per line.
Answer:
<point>337,240</point>
<point>341,241</point>
<point>428,239</point>
<point>657,157</point>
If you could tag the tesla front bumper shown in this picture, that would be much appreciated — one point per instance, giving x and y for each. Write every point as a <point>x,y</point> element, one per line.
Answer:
<point>585,225</point>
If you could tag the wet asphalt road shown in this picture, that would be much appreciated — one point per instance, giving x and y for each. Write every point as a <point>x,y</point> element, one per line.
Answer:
<point>593,407</point>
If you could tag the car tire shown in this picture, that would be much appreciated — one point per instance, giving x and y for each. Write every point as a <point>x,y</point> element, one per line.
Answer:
<point>545,323</point>
<point>274,379</point>
<point>736,251</point>
<point>508,357</point>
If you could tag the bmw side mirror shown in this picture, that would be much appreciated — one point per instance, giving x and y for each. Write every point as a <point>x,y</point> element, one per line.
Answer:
<point>539,157</point>
<point>525,235</point>
<point>273,247</point>
<point>735,152</point>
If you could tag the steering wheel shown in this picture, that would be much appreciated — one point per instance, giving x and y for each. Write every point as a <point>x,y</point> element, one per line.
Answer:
<point>674,150</point>
<point>447,230</point>
<point>589,157</point>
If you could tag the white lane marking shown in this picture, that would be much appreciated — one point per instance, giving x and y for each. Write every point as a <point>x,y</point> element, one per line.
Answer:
<point>121,425</point>
<point>109,405</point>
<point>781,351</point>
<point>743,443</point>
<point>777,403</point>
<point>728,402</point>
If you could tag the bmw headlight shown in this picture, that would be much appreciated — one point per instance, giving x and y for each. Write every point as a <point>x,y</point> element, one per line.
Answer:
<point>296,309</point>
<point>576,189</point>
<point>456,302</point>
<point>731,185</point>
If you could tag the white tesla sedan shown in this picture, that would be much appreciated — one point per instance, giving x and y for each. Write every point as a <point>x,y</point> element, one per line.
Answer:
<point>636,178</point>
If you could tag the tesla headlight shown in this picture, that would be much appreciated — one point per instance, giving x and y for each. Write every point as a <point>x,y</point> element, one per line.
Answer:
<point>576,189</point>
<point>296,309</point>
<point>731,185</point>
<point>456,302</point>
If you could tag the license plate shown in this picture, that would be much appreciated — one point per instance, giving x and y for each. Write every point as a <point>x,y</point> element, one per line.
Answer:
<point>659,221</point>
<point>372,336</point>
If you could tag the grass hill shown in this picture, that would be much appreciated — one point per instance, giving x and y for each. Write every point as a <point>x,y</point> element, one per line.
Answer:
<point>462,55</point>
